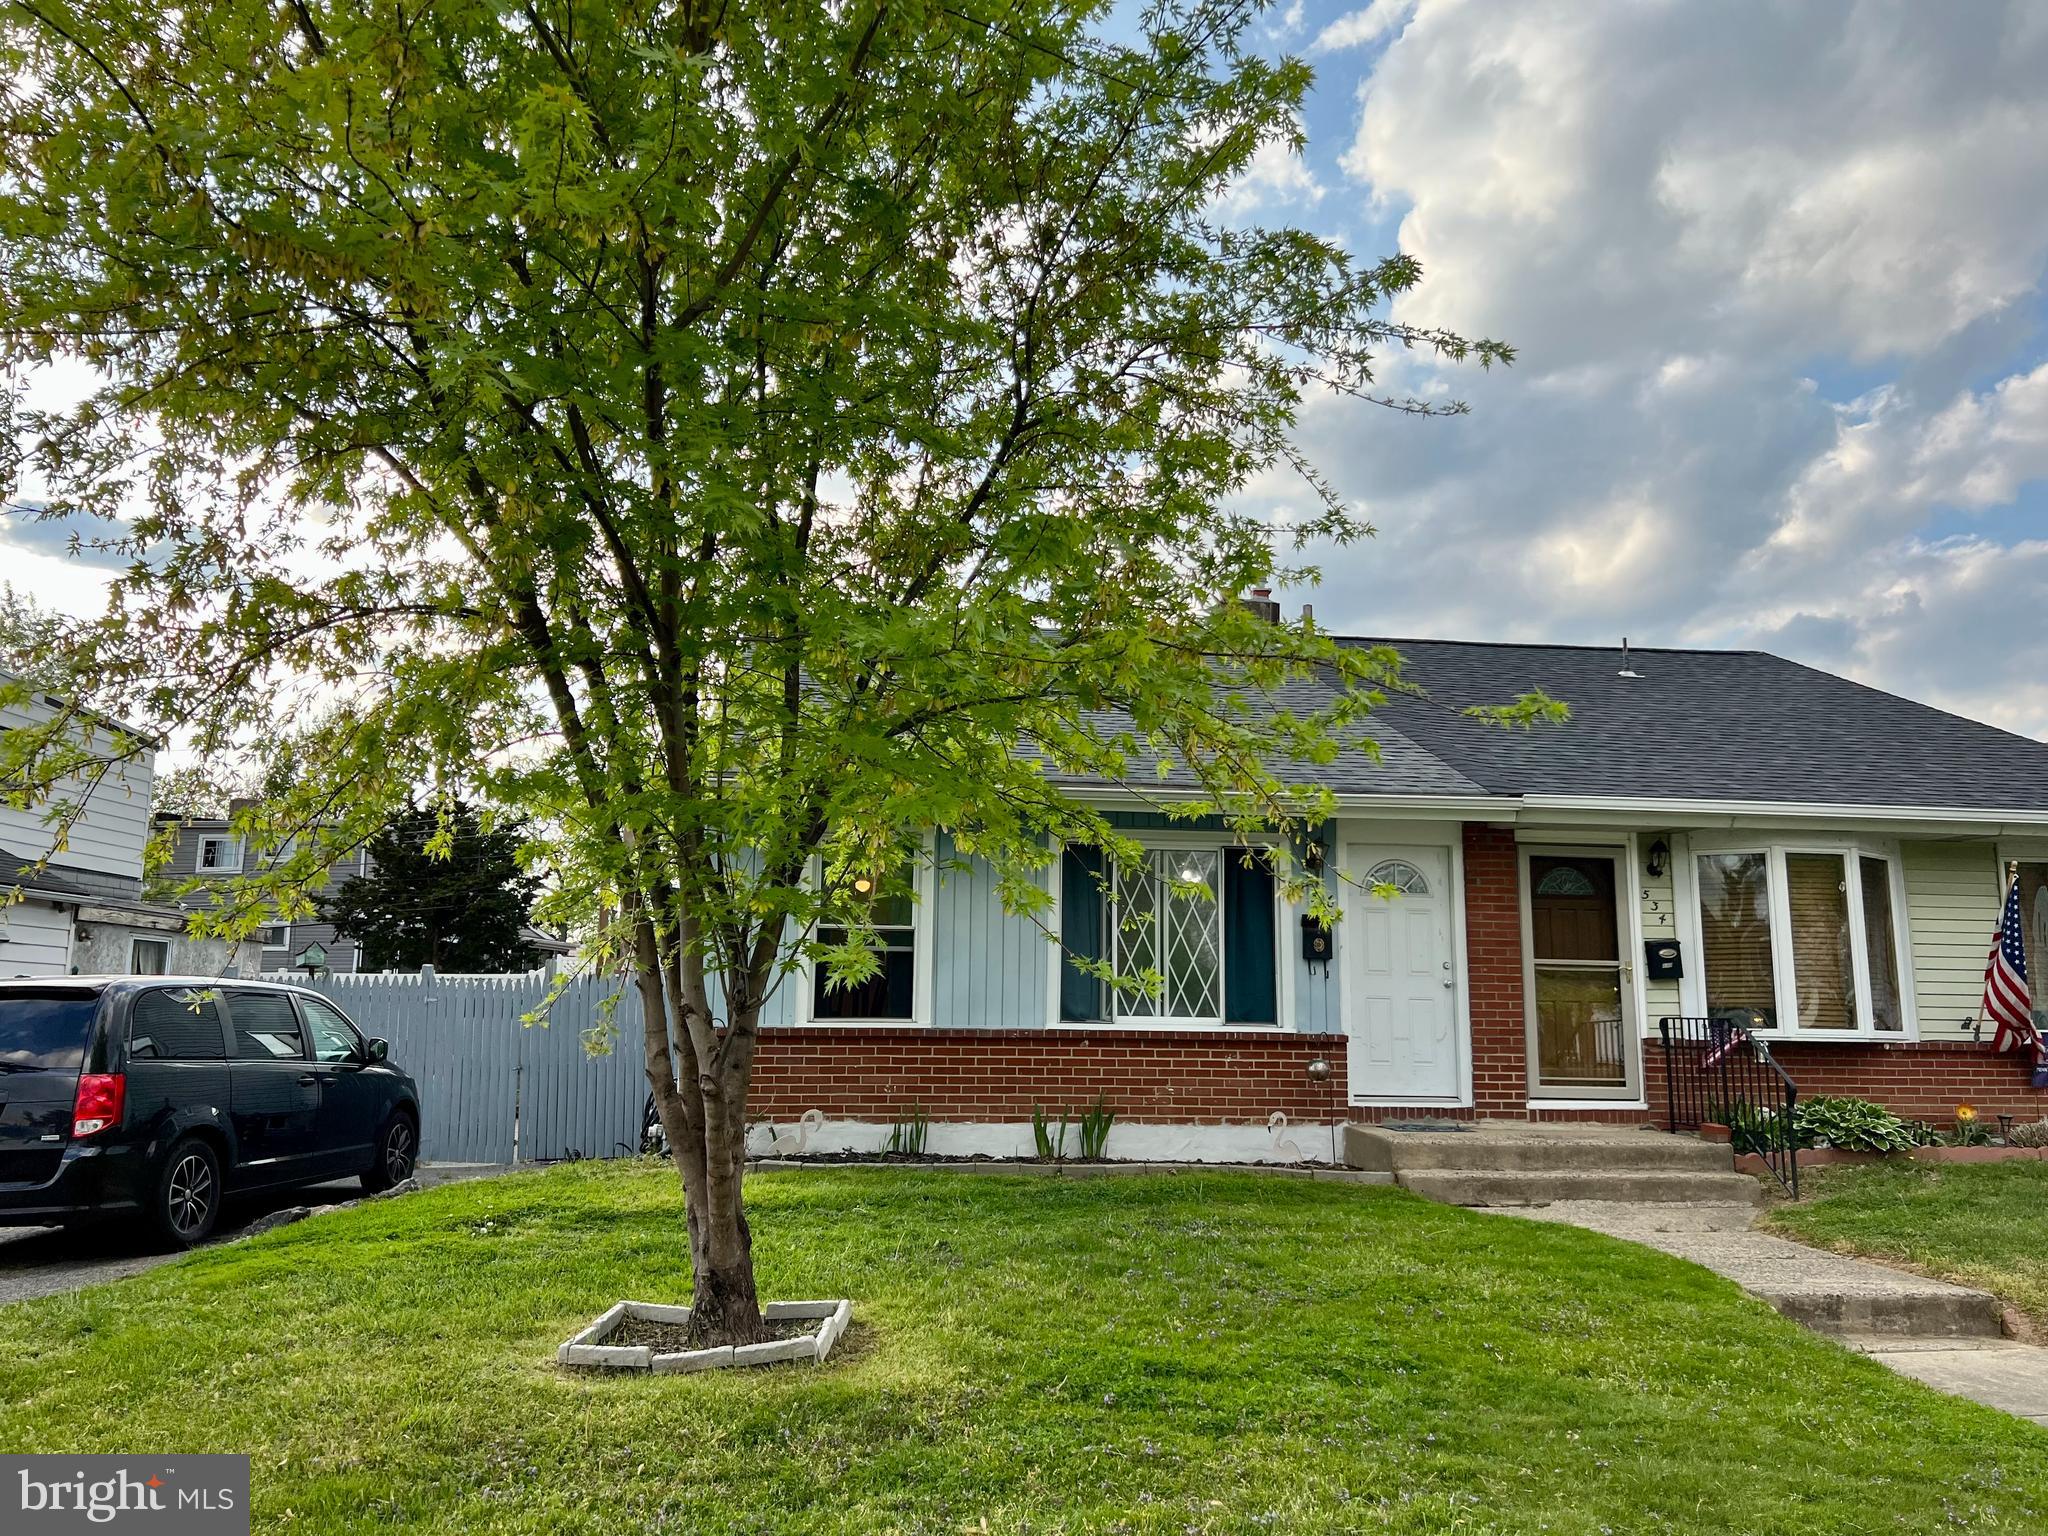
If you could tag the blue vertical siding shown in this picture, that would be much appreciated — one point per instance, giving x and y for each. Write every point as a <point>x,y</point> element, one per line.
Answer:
<point>1318,1004</point>
<point>989,967</point>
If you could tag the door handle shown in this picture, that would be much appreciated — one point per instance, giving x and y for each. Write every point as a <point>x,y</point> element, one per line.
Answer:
<point>308,1080</point>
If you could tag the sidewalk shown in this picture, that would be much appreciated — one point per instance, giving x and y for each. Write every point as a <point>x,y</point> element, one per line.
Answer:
<point>1949,1336</point>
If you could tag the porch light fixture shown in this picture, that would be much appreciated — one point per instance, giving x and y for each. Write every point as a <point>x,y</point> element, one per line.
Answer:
<point>1312,856</point>
<point>1658,857</point>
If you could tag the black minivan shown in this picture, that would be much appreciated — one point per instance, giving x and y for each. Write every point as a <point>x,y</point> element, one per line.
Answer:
<point>159,1095</point>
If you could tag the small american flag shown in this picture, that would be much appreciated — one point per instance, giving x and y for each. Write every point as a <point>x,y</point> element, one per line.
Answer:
<point>2007,1001</point>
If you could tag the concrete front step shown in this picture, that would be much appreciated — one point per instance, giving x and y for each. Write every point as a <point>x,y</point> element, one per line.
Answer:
<point>1951,1312</point>
<point>1510,1187</point>
<point>1561,1149</point>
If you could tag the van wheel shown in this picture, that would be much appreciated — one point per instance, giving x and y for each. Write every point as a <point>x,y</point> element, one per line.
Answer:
<point>398,1150</point>
<point>188,1194</point>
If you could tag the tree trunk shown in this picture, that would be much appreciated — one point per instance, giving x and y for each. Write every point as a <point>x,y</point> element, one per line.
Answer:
<point>704,1117</point>
<point>724,1306</point>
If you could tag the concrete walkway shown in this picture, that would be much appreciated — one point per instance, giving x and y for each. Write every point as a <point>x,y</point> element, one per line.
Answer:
<point>1949,1336</point>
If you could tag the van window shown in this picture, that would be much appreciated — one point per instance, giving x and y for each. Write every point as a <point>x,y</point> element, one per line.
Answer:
<point>45,1031</point>
<point>266,1029</point>
<point>334,1039</point>
<point>176,1024</point>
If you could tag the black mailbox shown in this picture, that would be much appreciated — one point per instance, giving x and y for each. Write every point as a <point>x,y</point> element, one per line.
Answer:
<point>1315,941</point>
<point>1662,961</point>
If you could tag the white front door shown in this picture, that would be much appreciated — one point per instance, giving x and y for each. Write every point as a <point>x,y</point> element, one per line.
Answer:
<point>1402,980</point>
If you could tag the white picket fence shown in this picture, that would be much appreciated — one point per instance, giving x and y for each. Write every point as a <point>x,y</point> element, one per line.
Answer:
<point>493,1088</point>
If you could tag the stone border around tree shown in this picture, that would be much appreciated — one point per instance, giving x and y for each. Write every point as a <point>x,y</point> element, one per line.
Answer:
<point>588,1348</point>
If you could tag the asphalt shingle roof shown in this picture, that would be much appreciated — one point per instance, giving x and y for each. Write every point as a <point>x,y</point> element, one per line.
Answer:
<point>1689,725</point>
<point>1705,725</point>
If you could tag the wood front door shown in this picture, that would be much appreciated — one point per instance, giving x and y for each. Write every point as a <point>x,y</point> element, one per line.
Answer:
<point>1582,1035</point>
<point>1402,979</point>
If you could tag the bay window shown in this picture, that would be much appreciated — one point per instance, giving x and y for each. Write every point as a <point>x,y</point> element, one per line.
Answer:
<point>1801,937</point>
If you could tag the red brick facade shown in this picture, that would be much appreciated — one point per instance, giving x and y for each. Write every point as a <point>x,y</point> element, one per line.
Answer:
<point>997,1075</point>
<point>1242,1076</point>
<point>1923,1081</point>
<point>1493,970</point>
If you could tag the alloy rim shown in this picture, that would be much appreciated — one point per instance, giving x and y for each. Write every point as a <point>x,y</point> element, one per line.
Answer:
<point>191,1194</point>
<point>398,1151</point>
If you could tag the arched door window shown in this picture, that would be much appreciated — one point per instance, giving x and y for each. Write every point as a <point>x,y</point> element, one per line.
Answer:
<point>1401,875</point>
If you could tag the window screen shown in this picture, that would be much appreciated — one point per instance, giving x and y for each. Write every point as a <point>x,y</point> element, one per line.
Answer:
<point>176,1024</point>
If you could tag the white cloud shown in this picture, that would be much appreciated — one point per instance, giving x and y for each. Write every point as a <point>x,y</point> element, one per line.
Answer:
<point>1276,176</point>
<point>1685,216</point>
<point>1364,26</point>
<point>1893,463</point>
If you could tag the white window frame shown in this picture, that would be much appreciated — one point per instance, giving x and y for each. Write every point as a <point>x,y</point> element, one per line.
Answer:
<point>226,840</point>
<point>1283,957</point>
<point>1693,989</point>
<point>923,896</point>
<point>138,941</point>
<point>284,943</point>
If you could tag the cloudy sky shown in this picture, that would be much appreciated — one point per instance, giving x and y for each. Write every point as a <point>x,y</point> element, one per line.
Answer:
<point>1776,274</point>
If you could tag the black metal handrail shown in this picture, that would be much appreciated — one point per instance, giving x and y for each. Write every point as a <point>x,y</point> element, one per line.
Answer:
<point>1717,1071</point>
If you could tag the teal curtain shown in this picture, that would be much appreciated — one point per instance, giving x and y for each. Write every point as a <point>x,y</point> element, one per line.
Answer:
<point>1081,931</point>
<point>1250,991</point>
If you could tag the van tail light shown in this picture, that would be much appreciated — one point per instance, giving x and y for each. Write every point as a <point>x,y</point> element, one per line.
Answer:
<point>101,1096</point>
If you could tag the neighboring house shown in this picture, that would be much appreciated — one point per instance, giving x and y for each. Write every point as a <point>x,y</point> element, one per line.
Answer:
<point>1711,832</point>
<point>208,847</point>
<point>81,910</point>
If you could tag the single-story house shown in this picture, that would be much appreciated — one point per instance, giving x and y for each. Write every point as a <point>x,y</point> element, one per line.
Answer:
<point>1711,831</point>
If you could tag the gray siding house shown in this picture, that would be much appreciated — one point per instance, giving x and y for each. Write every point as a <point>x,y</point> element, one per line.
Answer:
<point>79,910</point>
<point>207,848</point>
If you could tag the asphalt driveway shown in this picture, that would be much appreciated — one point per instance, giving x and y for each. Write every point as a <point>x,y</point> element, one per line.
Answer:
<point>41,1261</point>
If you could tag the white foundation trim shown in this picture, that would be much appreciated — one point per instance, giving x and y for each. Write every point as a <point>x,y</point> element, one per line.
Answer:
<point>1309,1143</point>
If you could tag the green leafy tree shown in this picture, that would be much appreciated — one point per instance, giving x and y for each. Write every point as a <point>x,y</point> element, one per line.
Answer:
<point>738,436</point>
<point>32,641</point>
<point>443,890</point>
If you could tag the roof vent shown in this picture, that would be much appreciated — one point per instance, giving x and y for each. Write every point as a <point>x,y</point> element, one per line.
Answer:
<point>1627,667</point>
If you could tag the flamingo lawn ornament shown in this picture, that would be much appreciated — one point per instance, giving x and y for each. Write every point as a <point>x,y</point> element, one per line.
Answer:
<point>797,1140</point>
<point>1284,1148</point>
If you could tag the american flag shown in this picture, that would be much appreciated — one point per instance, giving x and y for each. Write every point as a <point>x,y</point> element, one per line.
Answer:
<point>2007,1001</point>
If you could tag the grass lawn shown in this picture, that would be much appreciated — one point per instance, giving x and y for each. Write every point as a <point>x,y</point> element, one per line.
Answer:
<point>1985,1224</point>
<point>1220,1353</point>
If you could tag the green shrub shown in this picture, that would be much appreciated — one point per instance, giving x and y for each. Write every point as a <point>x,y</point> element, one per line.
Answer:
<point>1751,1128</point>
<point>1851,1125</point>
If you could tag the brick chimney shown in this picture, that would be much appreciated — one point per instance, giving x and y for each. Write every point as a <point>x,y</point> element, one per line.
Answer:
<point>1260,603</point>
